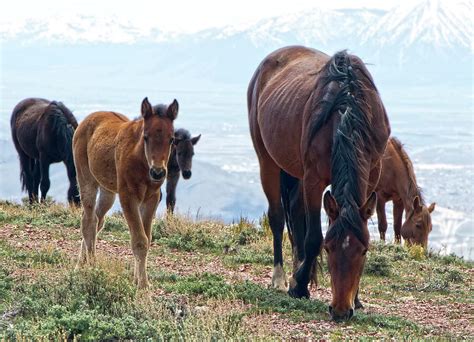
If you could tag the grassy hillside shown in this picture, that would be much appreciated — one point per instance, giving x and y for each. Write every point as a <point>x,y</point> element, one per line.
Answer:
<point>209,281</point>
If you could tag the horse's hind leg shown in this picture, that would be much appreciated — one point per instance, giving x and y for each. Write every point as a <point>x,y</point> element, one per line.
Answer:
<point>89,221</point>
<point>381,217</point>
<point>106,201</point>
<point>270,178</point>
<point>36,177</point>
<point>45,183</point>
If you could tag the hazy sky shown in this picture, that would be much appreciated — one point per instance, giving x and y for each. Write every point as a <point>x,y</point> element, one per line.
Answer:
<point>170,15</point>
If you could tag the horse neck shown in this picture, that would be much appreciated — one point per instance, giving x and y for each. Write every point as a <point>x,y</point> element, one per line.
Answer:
<point>407,185</point>
<point>173,160</point>
<point>138,152</point>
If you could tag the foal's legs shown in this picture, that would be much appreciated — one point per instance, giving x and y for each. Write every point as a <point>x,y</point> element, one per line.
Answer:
<point>171,184</point>
<point>397,219</point>
<point>106,201</point>
<point>45,183</point>
<point>139,239</point>
<point>89,220</point>
<point>381,218</point>
<point>147,212</point>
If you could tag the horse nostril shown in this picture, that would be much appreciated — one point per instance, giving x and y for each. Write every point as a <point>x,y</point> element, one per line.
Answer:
<point>157,174</point>
<point>187,174</point>
<point>351,313</point>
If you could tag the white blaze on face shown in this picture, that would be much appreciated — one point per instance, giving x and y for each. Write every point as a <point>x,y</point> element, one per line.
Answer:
<point>345,244</point>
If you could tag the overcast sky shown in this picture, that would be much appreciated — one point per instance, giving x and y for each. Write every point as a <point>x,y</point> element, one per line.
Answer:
<point>172,15</point>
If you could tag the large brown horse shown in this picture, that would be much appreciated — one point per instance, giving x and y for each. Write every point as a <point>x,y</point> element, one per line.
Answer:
<point>318,120</point>
<point>115,155</point>
<point>398,184</point>
<point>42,133</point>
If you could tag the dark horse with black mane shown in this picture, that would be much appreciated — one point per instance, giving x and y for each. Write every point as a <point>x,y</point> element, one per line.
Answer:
<point>42,132</point>
<point>181,160</point>
<point>317,120</point>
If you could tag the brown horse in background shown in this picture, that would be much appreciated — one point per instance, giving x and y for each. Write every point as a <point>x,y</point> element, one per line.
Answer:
<point>116,155</point>
<point>318,120</point>
<point>398,184</point>
<point>42,133</point>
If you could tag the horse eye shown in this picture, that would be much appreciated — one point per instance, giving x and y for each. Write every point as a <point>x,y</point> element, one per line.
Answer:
<point>418,225</point>
<point>145,137</point>
<point>364,252</point>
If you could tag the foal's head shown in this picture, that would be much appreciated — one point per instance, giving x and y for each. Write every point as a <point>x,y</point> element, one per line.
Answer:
<point>158,133</point>
<point>184,146</point>
<point>346,244</point>
<point>417,227</point>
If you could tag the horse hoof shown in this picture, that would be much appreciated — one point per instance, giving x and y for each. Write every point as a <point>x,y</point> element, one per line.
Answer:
<point>358,305</point>
<point>298,292</point>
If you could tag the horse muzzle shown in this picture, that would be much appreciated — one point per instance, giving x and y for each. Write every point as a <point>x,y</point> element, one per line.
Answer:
<point>186,174</point>
<point>157,174</point>
<point>340,317</point>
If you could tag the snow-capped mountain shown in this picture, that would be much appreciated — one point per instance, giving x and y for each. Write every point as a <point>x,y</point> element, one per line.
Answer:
<point>428,40</point>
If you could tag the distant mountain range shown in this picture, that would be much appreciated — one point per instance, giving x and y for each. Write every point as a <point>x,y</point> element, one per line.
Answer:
<point>428,40</point>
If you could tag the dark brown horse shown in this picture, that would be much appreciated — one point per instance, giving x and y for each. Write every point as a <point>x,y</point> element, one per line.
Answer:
<point>42,132</point>
<point>181,160</point>
<point>116,155</point>
<point>398,184</point>
<point>318,120</point>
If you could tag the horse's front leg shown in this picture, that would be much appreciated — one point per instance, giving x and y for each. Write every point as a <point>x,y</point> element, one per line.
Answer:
<point>139,239</point>
<point>147,212</point>
<point>171,184</point>
<point>73,192</point>
<point>312,191</point>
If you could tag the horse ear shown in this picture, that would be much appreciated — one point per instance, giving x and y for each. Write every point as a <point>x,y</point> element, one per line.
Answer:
<point>172,111</point>
<point>330,206</point>
<point>368,208</point>
<point>195,139</point>
<point>416,205</point>
<point>147,110</point>
<point>431,208</point>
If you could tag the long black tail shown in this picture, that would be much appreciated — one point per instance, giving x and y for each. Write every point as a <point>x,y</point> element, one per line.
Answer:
<point>23,165</point>
<point>62,130</point>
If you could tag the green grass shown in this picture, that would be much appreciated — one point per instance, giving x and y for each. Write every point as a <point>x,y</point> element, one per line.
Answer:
<point>42,297</point>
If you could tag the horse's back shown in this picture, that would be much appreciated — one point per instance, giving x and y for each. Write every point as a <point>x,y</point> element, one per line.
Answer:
<point>24,124</point>
<point>94,146</point>
<point>277,97</point>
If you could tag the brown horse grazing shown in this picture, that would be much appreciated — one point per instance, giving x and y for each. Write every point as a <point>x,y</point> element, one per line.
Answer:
<point>42,132</point>
<point>181,160</point>
<point>318,120</point>
<point>116,155</point>
<point>398,183</point>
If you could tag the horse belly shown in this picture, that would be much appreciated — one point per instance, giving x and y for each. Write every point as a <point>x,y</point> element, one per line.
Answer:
<point>102,161</point>
<point>280,118</point>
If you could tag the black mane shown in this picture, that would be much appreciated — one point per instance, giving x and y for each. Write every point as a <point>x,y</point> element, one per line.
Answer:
<point>182,134</point>
<point>344,93</point>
